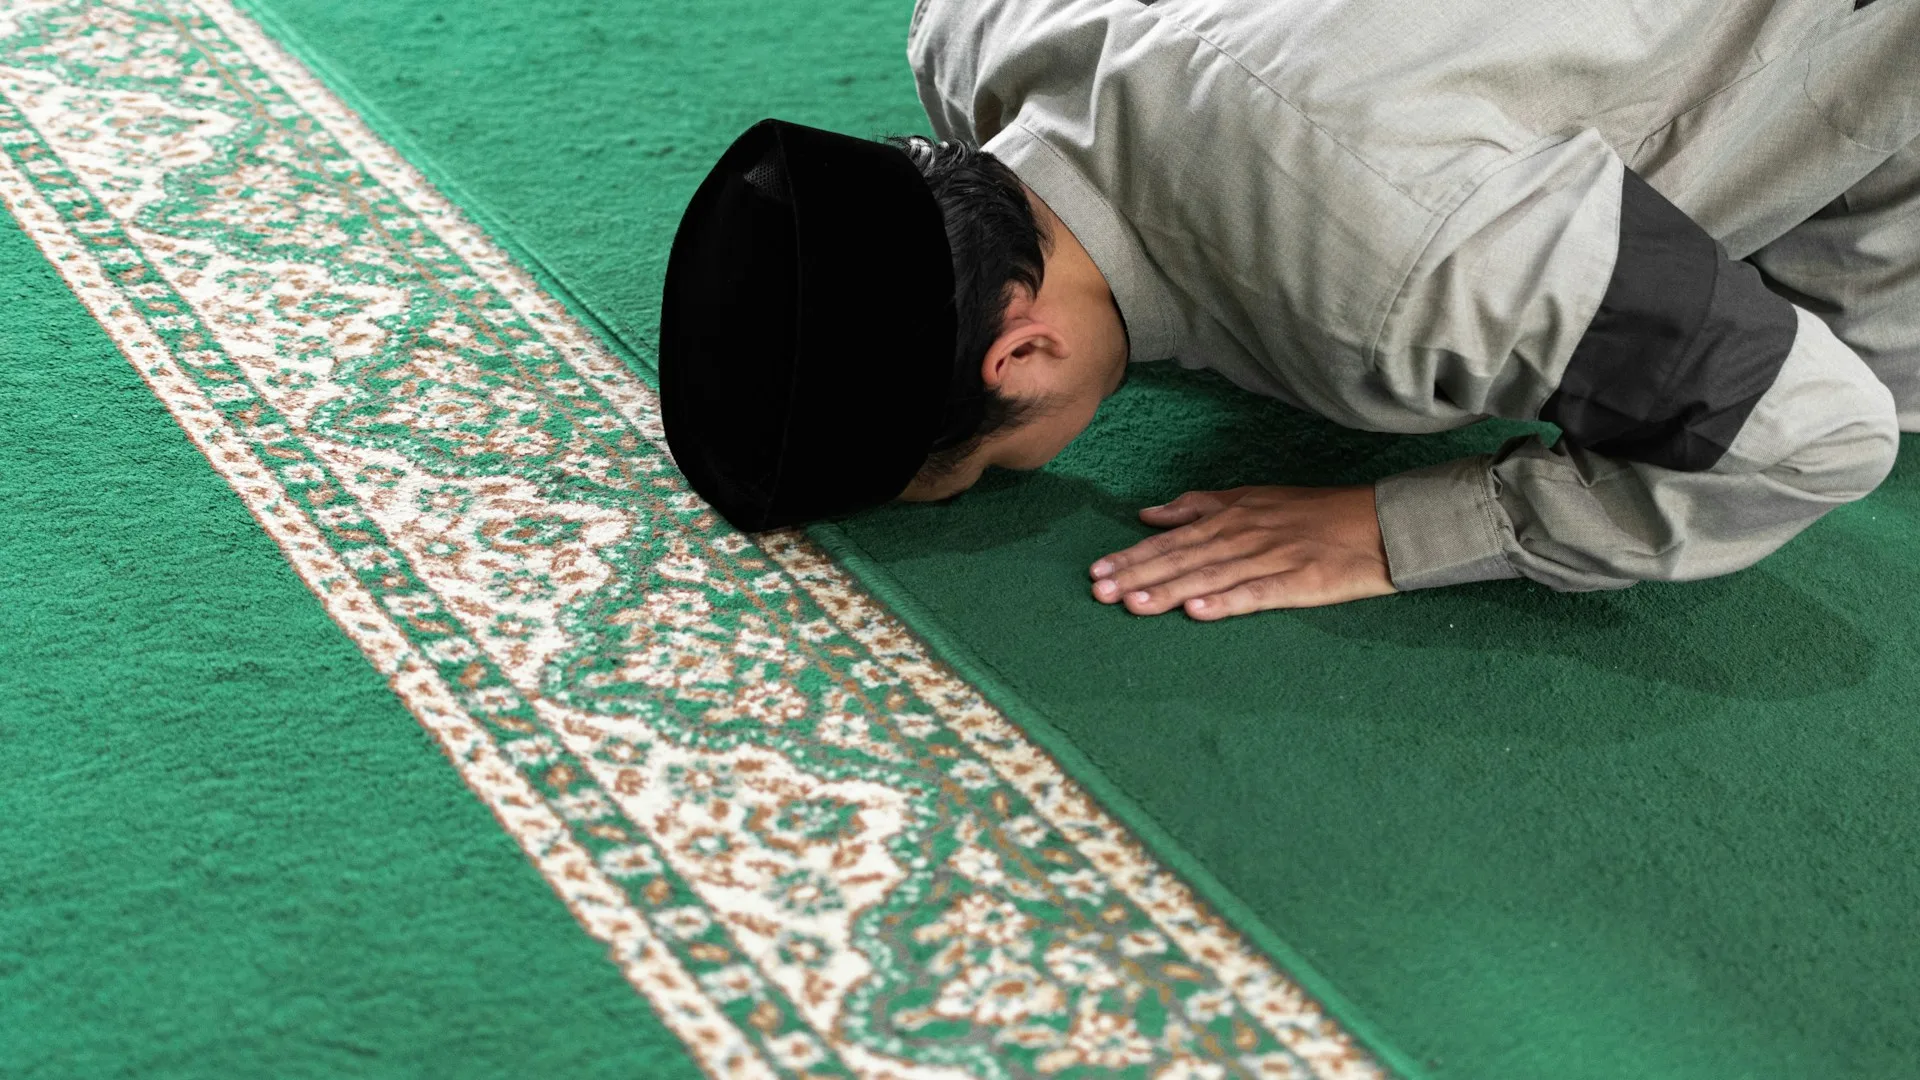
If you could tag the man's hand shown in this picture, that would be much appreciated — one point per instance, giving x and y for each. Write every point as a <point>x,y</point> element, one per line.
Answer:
<point>1250,549</point>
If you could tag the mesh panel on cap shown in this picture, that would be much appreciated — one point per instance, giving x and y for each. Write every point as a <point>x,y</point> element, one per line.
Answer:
<point>769,178</point>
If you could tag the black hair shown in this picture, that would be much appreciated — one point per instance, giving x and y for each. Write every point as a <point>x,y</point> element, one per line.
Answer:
<point>997,246</point>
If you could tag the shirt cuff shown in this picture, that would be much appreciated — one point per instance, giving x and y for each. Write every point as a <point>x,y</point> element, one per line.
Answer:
<point>1442,525</point>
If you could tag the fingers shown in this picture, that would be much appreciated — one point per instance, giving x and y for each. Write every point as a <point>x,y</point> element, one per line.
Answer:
<point>1250,549</point>
<point>1143,566</point>
<point>1304,586</point>
<point>1192,508</point>
<point>1214,579</point>
<point>1257,594</point>
<point>1154,547</point>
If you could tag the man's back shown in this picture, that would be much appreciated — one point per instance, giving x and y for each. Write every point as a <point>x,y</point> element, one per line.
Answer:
<point>1283,166</point>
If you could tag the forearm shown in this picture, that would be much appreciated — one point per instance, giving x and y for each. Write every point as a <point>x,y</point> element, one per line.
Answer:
<point>1824,434</point>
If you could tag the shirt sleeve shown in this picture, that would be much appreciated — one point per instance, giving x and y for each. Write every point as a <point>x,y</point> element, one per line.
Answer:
<point>1704,420</point>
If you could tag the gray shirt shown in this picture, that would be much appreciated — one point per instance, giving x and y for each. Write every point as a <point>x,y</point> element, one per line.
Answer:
<point>1409,217</point>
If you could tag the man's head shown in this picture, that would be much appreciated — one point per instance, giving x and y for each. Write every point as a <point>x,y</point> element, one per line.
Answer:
<point>1039,339</point>
<point>848,322</point>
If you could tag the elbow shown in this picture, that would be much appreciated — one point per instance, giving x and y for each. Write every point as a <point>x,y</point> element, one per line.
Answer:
<point>1851,458</point>
<point>1880,449</point>
<point>1841,420</point>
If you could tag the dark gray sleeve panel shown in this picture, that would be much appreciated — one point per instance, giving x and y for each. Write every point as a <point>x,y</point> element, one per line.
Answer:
<point>1685,342</point>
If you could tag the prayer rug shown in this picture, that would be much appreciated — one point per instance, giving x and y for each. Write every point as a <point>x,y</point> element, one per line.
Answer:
<point>1494,831</point>
<point>809,845</point>
<point>1664,832</point>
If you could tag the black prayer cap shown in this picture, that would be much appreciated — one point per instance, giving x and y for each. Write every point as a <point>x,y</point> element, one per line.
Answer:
<point>807,328</point>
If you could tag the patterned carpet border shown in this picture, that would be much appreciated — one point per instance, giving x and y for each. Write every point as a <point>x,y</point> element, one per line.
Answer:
<point>811,846</point>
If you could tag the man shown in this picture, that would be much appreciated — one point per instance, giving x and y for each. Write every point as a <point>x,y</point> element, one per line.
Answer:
<point>1686,233</point>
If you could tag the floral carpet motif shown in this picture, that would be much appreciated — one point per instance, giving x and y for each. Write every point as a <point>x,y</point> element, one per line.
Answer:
<point>813,848</point>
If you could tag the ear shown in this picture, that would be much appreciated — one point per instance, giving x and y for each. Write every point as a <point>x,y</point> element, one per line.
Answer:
<point>1023,338</point>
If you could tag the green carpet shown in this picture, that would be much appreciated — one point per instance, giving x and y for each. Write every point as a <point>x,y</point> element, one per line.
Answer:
<point>228,850</point>
<point>1662,833</point>
<point>1666,832</point>
<point>810,848</point>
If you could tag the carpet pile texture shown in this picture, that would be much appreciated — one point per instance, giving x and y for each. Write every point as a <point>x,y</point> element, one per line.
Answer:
<point>807,846</point>
<point>915,797</point>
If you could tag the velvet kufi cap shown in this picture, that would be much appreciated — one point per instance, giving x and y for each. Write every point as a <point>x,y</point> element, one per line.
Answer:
<point>807,327</point>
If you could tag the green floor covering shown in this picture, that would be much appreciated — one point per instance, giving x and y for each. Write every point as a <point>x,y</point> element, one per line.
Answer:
<point>226,849</point>
<point>1666,832</point>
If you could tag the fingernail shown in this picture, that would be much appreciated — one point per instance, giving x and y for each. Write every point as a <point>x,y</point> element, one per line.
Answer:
<point>1102,568</point>
<point>1138,598</point>
<point>1197,604</point>
<point>1105,590</point>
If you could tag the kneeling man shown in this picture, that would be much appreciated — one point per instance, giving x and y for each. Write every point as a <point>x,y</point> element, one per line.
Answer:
<point>1687,234</point>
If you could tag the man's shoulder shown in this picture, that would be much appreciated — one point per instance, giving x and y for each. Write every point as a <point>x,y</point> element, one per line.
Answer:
<point>1423,96</point>
<point>1165,74</point>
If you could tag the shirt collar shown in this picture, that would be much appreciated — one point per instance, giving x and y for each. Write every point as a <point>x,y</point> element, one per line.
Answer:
<point>1145,302</point>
